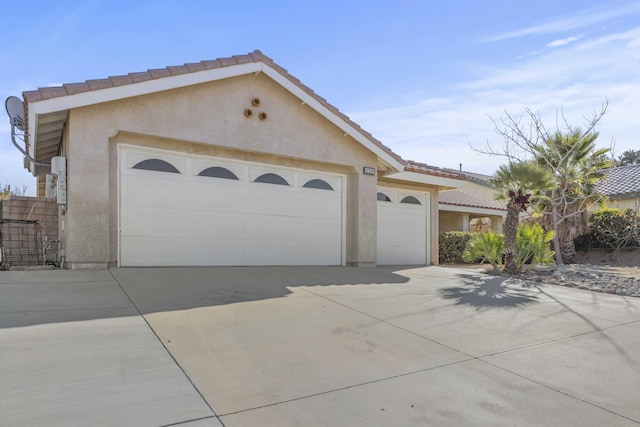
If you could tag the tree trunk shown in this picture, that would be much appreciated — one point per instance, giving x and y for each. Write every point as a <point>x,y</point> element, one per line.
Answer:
<point>556,239</point>
<point>569,255</point>
<point>510,232</point>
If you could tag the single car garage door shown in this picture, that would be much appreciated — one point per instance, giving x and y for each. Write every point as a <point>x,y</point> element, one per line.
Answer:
<point>402,227</point>
<point>178,210</point>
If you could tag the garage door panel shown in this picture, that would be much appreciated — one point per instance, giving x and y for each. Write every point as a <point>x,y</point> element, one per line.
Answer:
<point>178,219</point>
<point>402,230</point>
<point>167,251</point>
<point>173,223</point>
<point>225,252</point>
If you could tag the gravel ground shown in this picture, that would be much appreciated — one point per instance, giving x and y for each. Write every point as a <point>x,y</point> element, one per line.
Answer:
<point>624,281</point>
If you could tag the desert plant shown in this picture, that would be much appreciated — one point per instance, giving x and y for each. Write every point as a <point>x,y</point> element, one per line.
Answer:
<point>515,183</point>
<point>488,247</point>
<point>533,246</point>
<point>570,155</point>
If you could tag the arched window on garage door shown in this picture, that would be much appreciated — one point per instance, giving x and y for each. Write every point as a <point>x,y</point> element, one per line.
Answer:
<point>383,197</point>
<point>156,165</point>
<point>320,184</point>
<point>218,172</point>
<point>411,200</point>
<point>271,178</point>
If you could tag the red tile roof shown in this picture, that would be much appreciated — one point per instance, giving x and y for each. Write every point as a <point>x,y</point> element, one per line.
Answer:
<point>255,56</point>
<point>460,198</point>
<point>137,77</point>
<point>411,166</point>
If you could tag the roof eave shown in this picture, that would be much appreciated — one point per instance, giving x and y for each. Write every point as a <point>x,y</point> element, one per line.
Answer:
<point>421,178</point>
<point>39,108</point>
<point>471,209</point>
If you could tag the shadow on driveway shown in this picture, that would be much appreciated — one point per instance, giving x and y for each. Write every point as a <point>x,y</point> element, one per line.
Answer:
<point>488,292</point>
<point>35,297</point>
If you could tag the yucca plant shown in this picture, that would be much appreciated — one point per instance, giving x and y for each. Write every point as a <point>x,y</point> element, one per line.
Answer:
<point>487,247</point>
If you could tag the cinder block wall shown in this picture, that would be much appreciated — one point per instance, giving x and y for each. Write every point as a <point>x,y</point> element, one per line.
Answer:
<point>21,245</point>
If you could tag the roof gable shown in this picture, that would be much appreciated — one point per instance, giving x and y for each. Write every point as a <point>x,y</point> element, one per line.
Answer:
<point>54,100</point>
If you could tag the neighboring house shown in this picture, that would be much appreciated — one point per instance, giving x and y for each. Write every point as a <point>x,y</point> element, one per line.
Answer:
<point>225,162</point>
<point>472,207</point>
<point>621,185</point>
<point>460,211</point>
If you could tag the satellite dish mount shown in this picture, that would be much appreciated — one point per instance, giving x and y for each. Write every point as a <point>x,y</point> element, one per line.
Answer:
<point>15,110</point>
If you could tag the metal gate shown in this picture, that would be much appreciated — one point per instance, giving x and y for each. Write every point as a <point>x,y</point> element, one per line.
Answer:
<point>20,243</point>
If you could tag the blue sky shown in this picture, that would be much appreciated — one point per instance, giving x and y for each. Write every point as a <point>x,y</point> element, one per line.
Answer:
<point>422,76</point>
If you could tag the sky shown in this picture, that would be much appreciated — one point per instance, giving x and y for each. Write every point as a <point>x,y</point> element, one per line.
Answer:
<point>424,77</point>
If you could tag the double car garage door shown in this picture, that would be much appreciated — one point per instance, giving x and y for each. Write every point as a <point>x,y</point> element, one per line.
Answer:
<point>178,210</point>
<point>191,211</point>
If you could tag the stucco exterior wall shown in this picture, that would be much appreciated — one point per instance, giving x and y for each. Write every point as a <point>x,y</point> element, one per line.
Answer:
<point>483,191</point>
<point>206,119</point>
<point>451,221</point>
<point>629,203</point>
<point>460,221</point>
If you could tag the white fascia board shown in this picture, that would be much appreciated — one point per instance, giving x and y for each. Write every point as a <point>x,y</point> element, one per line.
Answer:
<point>333,118</point>
<point>99,96</point>
<point>421,178</point>
<point>165,83</point>
<point>142,88</point>
<point>468,209</point>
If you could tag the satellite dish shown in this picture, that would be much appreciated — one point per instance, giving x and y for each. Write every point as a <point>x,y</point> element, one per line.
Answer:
<point>15,110</point>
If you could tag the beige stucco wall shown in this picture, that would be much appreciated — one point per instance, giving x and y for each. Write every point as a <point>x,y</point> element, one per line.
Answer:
<point>460,221</point>
<point>478,190</point>
<point>207,119</point>
<point>629,203</point>
<point>451,221</point>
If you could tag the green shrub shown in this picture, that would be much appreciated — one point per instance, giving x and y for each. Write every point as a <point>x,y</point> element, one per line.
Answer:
<point>487,247</point>
<point>615,229</point>
<point>451,246</point>
<point>533,246</point>
<point>612,229</point>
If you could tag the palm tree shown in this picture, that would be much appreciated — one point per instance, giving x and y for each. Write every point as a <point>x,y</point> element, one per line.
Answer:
<point>516,182</point>
<point>576,166</point>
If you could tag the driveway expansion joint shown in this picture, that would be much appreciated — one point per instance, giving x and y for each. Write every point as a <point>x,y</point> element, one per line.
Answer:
<point>471,357</point>
<point>548,387</point>
<point>163,345</point>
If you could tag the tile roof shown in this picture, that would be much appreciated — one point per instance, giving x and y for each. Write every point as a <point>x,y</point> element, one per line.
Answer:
<point>478,178</point>
<point>412,166</point>
<point>460,198</point>
<point>137,77</point>
<point>620,181</point>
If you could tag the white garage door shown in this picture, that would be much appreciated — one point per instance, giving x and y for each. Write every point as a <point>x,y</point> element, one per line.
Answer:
<point>402,227</point>
<point>196,211</point>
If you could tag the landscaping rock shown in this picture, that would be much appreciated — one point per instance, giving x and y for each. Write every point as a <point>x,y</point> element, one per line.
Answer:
<point>623,281</point>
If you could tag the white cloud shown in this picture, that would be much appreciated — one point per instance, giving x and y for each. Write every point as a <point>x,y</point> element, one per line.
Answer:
<point>563,42</point>
<point>570,22</point>
<point>577,79</point>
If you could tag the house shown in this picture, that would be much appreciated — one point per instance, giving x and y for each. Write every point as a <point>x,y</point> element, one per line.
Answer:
<point>226,162</point>
<point>621,185</point>
<point>471,207</point>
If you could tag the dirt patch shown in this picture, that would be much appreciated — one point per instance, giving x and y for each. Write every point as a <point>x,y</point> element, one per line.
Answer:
<point>627,258</point>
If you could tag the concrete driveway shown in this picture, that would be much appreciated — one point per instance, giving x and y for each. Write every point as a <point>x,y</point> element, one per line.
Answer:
<point>312,346</point>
